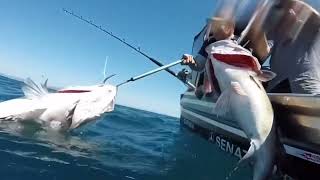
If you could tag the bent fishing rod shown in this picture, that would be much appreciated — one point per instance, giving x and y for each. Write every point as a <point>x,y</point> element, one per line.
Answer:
<point>127,44</point>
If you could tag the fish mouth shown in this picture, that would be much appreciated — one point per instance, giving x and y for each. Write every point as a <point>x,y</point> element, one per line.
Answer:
<point>239,60</point>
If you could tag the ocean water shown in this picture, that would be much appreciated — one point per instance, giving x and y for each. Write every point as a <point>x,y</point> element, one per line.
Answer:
<point>126,144</point>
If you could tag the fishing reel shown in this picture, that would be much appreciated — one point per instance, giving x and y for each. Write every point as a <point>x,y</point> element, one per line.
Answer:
<point>184,75</point>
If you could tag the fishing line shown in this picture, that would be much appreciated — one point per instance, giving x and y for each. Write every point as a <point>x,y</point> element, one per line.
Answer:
<point>137,49</point>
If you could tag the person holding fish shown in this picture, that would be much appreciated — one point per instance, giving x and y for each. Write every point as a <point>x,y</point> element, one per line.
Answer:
<point>217,29</point>
<point>243,98</point>
<point>294,26</point>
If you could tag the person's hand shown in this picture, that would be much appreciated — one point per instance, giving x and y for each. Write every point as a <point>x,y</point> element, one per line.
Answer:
<point>188,60</point>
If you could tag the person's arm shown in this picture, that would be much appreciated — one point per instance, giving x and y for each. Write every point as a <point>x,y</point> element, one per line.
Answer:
<point>198,63</point>
<point>257,36</point>
<point>259,45</point>
<point>195,63</point>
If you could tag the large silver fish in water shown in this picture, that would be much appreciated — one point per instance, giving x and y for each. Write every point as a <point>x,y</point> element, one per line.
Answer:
<point>244,99</point>
<point>64,110</point>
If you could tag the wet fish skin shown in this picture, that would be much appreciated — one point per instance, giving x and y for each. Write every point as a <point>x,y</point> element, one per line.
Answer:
<point>244,99</point>
<point>59,111</point>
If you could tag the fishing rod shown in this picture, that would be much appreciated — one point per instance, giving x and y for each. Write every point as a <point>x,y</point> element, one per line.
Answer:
<point>127,44</point>
<point>150,72</point>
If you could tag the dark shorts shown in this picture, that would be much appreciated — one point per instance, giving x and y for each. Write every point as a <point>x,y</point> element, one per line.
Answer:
<point>297,63</point>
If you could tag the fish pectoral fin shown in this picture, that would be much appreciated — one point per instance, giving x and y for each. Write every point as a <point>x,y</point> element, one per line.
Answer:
<point>70,112</point>
<point>266,75</point>
<point>236,87</point>
<point>223,103</point>
<point>249,156</point>
<point>246,159</point>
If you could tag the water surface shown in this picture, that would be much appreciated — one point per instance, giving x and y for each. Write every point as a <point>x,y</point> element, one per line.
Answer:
<point>126,144</point>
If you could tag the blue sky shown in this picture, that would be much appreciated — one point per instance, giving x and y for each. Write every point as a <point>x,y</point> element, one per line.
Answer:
<point>37,40</point>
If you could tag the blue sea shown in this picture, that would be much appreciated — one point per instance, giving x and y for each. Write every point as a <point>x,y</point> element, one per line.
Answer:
<point>126,144</point>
